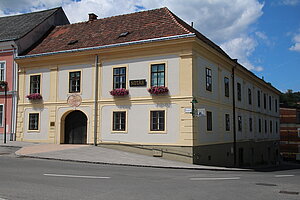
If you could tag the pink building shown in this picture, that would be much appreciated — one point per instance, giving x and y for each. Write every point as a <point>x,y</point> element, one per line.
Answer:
<point>18,34</point>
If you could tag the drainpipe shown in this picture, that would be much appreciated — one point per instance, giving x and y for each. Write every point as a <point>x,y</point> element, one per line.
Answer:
<point>233,113</point>
<point>96,99</point>
<point>14,96</point>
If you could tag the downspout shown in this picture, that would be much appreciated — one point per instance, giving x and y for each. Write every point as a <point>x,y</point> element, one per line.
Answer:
<point>234,113</point>
<point>96,99</point>
<point>14,96</point>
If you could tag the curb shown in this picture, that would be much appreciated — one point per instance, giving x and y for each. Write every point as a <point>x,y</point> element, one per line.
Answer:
<point>130,165</point>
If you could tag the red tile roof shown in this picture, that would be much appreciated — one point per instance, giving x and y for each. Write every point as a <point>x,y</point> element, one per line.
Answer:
<point>140,26</point>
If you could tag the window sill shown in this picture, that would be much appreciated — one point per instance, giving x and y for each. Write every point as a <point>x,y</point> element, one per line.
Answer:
<point>158,132</point>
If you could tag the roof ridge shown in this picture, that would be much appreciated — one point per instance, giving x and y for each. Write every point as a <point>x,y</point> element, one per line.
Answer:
<point>175,20</point>
<point>133,13</point>
<point>142,11</point>
<point>29,13</point>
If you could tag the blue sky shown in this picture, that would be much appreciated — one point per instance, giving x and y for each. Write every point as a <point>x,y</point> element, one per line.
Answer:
<point>280,23</point>
<point>263,35</point>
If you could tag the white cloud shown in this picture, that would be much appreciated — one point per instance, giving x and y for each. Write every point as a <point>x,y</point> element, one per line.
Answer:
<point>223,21</point>
<point>296,40</point>
<point>241,48</point>
<point>290,2</point>
<point>261,35</point>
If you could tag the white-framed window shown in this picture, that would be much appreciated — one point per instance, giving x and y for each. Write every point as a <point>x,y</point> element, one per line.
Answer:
<point>33,124</point>
<point>157,120</point>
<point>208,79</point>
<point>1,114</point>
<point>119,120</point>
<point>35,84</point>
<point>2,70</point>
<point>74,81</point>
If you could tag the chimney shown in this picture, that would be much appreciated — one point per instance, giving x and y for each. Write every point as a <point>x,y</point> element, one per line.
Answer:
<point>92,16</point>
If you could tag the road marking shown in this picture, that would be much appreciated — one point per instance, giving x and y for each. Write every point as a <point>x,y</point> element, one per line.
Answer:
<point>214,179</point>
<point>279,176</point>
<point>76,176</point>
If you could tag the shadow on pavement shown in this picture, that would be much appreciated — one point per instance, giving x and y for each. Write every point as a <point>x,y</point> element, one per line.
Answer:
<point>282,167</point>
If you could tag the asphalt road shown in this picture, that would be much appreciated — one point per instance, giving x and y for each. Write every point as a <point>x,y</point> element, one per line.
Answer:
<point>24,178</point>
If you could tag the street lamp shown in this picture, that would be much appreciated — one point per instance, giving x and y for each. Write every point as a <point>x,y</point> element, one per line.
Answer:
<point>3,84</point>
<point>193,102</point>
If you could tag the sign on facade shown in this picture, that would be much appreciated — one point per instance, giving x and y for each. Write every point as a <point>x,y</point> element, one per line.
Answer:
<point>188,110</point>
<point>137,83</point>
<point>200,112</point>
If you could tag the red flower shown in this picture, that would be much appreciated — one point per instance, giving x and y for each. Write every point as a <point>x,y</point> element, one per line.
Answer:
<point>158,90</point>
<point>119,92</point>
<point>34,96</point>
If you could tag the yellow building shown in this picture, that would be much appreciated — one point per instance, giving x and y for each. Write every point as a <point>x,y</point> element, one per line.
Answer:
<point>128,81</point>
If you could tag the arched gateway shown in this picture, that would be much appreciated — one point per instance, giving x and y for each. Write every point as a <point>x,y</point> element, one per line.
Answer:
<point>75,128</point>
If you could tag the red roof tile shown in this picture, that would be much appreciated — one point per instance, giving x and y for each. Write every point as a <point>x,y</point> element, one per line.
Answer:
<point>141,26</point>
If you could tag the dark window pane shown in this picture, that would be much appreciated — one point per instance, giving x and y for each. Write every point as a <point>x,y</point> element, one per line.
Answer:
<point>119,121</point>
<point>119,78</point>
<point>157,121</point>
<point>209,120</point>
<point>157,75</point>
<point>74,81</point>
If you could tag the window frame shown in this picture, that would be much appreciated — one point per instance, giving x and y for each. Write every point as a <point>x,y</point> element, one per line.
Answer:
<point>125,124</point>
<point>270,102</point>
<point>259,125</point>
<point>240,123</point>
<point>227,122</point>
<point>265,101</point>
<point>80,81</point>
<point>208,79</point>
<point>151,121</point>
<point>151,72</point>
<point>209,124</point>
<point>250,124</point>
<point>249,96</point>
<point>258,98</point>
<point>38,124</point>
<point>239,91</point>
<point>266,126</point>
<point>113,76</point>
<point>40,84</point>
<point>4,70</point>
<point>2,118</point>
<point>226,87</point>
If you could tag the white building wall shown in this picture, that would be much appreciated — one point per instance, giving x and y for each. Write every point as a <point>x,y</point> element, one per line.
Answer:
<point>201,70</point>
<point>42,133</point>
<point>138,124</point>
<point>87,80</point>
<point>45,82</point>
<point>139,68</point>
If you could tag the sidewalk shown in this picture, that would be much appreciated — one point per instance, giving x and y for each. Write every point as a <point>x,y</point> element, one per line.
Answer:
<point>100,155</point>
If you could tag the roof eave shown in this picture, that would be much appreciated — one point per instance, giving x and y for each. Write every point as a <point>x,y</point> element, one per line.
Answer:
<point>110,46</point>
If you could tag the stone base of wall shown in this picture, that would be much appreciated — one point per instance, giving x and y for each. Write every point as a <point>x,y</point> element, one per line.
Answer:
<point>248,154</point>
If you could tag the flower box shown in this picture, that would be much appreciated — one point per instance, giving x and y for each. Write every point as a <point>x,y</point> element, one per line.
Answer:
<point>158,90</point>
<point>34,96</point>
<point>119,92</point>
